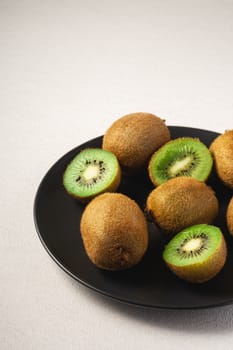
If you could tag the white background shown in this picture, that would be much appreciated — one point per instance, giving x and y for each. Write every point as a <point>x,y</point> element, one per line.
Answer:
<point>68,69</point>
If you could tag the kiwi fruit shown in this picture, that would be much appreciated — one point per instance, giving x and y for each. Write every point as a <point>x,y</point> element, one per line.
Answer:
<point>197,253</point>
<point>114,231</point>
<point>183,156</point>
<point>182,202</point>
<point>91,172</point>
<point>134,137</point>
<point>222,151</point>
<point>230,216</point>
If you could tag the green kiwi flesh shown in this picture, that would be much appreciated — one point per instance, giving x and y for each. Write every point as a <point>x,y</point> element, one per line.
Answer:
<point>184,156</point>
<point>91,172</point>
<point>197,253</point>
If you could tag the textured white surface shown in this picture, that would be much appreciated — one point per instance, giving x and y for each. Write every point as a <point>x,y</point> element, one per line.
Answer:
<point>67,70</point>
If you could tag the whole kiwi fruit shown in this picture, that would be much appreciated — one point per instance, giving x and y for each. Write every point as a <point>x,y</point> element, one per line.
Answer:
<point>114,231</point>
<point>182,202</point>
<point>230,216</point>
<point>134,137</point>
<point>222,151</point>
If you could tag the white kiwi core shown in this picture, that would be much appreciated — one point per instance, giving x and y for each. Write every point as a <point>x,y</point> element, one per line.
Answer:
<point>180,165</point>
<point>193,244</point>
<point>91,172</point>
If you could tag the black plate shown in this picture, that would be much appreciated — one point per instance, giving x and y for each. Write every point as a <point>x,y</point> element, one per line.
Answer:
<point>150,283</point>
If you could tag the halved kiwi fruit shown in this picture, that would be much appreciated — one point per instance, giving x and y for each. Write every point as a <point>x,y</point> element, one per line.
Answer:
<point>183,156</point>
<point>182,202</point>
<point>114,231</point>
<point>197,253</point>
<point>91,172</point>
<point>230,216</point>
<point>222,151</point>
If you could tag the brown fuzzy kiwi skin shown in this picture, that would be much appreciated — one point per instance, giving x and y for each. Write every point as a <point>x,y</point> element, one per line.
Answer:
<point>182,202</point>
<point>114,232</point>
<point>111,188</point>
<point>222,151</point>
<point>134,137</point>
<point>229,216</point>
<point>153,180</point>
<point>203,272</point>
